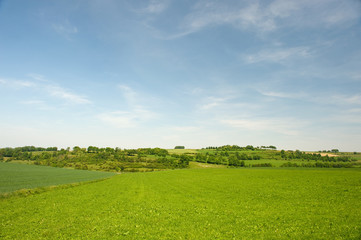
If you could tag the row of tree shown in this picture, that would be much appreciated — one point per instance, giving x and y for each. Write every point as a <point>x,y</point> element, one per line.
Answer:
<point>238,148</point>
<point>318,165</point>
<point>312,156</point>
<point>109,159</point>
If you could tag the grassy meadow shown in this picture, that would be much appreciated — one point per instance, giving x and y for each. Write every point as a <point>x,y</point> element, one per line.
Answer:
<point>16,176</point>
<point>229,203</point>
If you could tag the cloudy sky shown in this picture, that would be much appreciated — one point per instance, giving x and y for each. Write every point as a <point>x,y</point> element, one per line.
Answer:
<point>160,73</point>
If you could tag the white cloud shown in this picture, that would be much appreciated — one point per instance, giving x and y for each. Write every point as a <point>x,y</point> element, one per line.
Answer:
<point>118,119</point>
<point>156,6</point>
<point>17,83</point>
<point>356,76</point>
<point>278,94</point>
<point>187,129</point>
<point>283,126</point>
<point>346,99</point>
<point>220,14</point>
<point>24,83</point>
<point>279,55</point>
<point>32,102</point>
<point>44,86</point>
<point>126,119</point>
<point>262,17</point>
<point>129,94</point>
<point>212,102</point>
<point>62,93</point>
<point>134,116</point>
<point>66,29</point>
<point>37,77</point>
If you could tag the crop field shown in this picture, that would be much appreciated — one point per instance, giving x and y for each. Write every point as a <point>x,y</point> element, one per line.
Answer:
<point>246,203</point>
<point>14,176</point>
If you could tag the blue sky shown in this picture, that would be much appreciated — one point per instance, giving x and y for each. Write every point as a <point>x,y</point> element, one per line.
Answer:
<point>162,73</point>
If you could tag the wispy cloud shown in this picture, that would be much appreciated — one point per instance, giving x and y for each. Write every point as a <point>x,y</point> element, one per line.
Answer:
<point>126,119</point>
<point>24,83</point>
<point>283,126</point>
<point>156,6</point>
<point>67,95</point>
<point>211,102</point>
<point>213,14</point>
<point>39,104</point>
<point>322,98</point>
<point>136,113</point>
<point>37,77</point>
<point>17,83</point>
<point>66,29</point>
<point>278,55</point>
<point>346,99</point>
<point>264,17</point>
<point>44,86</point>
<point>278,94</point>
<point>129,94</point>
<point>185,128</point>
<point>32,102</point>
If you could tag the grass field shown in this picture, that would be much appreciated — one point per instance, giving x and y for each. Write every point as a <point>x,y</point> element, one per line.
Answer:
<point>195,204</point>
<point>16,176</point>
<point>183,151</point>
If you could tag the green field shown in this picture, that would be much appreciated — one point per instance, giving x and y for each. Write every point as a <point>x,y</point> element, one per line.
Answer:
<point>248,203</point>
<point>15,176</point>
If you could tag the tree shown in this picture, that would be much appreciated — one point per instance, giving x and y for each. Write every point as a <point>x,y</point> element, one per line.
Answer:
<point>179,147</point>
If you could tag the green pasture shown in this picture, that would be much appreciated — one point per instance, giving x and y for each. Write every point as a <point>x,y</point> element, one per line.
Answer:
<point>16,176</point>
<point>205,165</point>
<point>247,203</point>
<point>182,151</point>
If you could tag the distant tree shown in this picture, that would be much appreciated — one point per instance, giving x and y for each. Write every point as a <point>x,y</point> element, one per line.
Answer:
<point>92,149</point>
<point>249,147</point>
<point>179,147</point>
<point>334,150</point>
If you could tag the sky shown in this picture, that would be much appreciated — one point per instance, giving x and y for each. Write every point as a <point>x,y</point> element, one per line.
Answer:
<point>195,73</point>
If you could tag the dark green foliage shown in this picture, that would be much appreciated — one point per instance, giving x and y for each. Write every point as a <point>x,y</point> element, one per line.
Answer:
<point>269,147</point>
<point>319,165</point>
<point>262,165</point>
<point>106,159</point>
<point>179,147</point>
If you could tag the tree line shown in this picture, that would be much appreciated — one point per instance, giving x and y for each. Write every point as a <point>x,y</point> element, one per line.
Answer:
<point>107,159</point>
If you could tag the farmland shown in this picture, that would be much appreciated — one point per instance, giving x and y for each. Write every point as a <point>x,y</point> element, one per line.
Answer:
<point>15,176</point>
<point>154,159</point>
<point>248,203</point>
<point>226,192</point>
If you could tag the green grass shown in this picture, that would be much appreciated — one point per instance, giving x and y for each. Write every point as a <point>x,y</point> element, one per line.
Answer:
<point>16,176</point>
<point>205,165</point>
<point>195,204</point>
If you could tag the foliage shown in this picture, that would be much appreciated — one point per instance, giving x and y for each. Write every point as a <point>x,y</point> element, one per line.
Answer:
<point>150,159</point>
<point>105,159</point>
<point>319,165</point>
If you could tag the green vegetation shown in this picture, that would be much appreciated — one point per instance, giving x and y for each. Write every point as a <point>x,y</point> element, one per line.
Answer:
<point>153,159</point>
<point>179,147</point>
<point>195,204</point>
<point>15,176</point>
<point>104,159</point>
